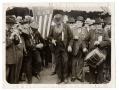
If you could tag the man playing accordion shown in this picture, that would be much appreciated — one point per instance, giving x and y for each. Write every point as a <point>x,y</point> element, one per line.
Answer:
<point>97,39</point>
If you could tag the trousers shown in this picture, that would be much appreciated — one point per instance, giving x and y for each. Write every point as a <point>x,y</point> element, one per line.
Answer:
<point>10,73</point>
<point>62,63</point>
<point>33,64</point>
<point>77,64</point>
<point>92,74</point>
<point>53,62</point>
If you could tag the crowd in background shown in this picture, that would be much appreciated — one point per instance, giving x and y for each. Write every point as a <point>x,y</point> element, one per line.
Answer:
<point>68,43</point>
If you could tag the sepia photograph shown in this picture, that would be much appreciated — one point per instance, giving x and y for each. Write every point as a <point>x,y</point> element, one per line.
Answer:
<point>58,43</point>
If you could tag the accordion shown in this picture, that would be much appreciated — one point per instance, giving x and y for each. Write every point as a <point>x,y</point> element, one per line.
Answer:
<point>94,57</point>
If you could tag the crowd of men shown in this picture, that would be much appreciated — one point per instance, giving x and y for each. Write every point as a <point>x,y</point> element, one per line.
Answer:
<point>69,42</point>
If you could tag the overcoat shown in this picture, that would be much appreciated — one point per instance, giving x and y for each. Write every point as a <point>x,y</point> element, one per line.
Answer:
<point>11,52</point>
<point>68,37</point>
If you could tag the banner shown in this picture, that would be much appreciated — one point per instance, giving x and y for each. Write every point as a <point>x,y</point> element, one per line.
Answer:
<point>42,16</point>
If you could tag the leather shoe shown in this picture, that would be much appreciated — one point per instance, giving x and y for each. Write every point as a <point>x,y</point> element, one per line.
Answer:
<point>65,80</point>
<point>53,73</point>
<point>73,79</point>
<point>59,81</point>
<point>29,82</point>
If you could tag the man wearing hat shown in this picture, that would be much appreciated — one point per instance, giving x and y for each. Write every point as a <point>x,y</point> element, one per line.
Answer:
<point>12,40</point>
<point>65,19</point>
<point>97,38</point>
<point>108,48</point>
<point>87,23</point>
<point>71,23</point>
<point>92,24</point>
<point>61,37</point>
<point>21,48</point>
<point>78,49</point>
<point>34,42</point>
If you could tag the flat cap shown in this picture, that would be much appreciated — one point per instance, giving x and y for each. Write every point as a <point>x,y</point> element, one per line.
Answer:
<point>34,25</point>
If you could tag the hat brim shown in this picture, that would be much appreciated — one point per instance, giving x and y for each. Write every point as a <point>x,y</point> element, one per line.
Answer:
<point>70,22</point>
<point>80,20</point>
<point>57,21</point>
<point>34,29</point>
<point>11,22</point>
<point>91,24</point>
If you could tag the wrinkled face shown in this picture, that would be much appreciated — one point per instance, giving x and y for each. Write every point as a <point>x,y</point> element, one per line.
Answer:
<point>26,25</point>
<point>70,25</point>
<point>86,25</point>
<point>65,19</point>
<point>73,25</point>
<point>98,26</point>
<point>108,27</point>
<point>93,27</point>
<point>79,24</point>
<point>58,24</point>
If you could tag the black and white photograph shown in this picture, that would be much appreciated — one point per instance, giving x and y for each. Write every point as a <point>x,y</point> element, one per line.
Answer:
<point>58,43</point>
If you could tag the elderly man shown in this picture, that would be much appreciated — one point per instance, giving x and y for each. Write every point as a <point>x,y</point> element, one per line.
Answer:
<point>21,48</point>
<point>12,40</point>
<point>108,48</point>
<point>34,42</point>
<point>61,37</point>
<point>71,23</point>
<point>65,19</point>
<point>79,48</point>
<point>97,38</point>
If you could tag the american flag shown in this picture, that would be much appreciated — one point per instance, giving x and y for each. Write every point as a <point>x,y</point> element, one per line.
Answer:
<point>43,16</point>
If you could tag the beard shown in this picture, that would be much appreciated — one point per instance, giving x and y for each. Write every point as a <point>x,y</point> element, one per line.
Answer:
<point>58,28</point>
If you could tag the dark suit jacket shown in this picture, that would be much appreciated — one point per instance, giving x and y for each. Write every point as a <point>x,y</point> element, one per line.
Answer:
<point>68,37</point>
<point>93,36</point>
<point>79,44</point>
<point>30,47</point>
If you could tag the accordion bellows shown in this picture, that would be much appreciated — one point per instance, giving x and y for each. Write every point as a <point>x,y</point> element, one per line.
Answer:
<point>94,57</point>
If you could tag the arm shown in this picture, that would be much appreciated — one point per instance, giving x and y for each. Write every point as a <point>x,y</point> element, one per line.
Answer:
<point>10,42</point>
<point>42,40</point>
<point>27,43</point>
<point>86,40</point>
<point>106,41</point>
<point>70,36</point>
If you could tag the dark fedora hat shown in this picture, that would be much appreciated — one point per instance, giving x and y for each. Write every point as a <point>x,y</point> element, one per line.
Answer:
<point>71,20</point>
<point>58,18</point>
<point>98,21</point>
<point>80,18</point>
<point>10,19</point>
<point>34,26</point>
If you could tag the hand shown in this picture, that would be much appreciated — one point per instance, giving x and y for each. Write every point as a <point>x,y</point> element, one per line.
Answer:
<point>39,46</point>
<point>54,42</point>
<point>85,50</point>
<point>12,35</point>
<point>69,49</point>
<point>96,42</point>
<point>76,37</point>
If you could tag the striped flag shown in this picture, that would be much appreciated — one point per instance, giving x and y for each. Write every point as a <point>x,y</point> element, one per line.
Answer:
<point>43,16</point>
